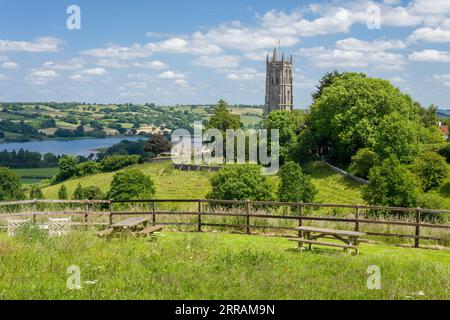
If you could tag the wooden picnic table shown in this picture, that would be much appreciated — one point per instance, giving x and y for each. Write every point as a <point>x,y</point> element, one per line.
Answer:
<point>136,226</point>
<point>310,235</point>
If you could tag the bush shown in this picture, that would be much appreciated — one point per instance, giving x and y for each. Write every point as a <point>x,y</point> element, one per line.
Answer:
<point>10,187</point>
<point>36,192</point>
<point>294,185</point>
<point>131,184</point>
<point>391,184</point>
<point>93,193</point>
<point>241,182</point>
<point>78,194</point>
<point>430,169</point>
<point>88,168</point>
<point>445,151</point>
<point>158,144</point>
<point>117,162</point>
<point>362,162</point>
<point>62,193</point>
<point>67,168</point>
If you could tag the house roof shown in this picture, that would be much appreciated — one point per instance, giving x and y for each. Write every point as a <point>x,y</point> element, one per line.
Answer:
<point>444,129</point>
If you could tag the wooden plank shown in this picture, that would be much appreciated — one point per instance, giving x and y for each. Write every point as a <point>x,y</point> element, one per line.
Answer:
<point>330,244</point>
<point>130,222</point>
<point>331,231</point>
<point>149,230</point>
<point>105,233</point>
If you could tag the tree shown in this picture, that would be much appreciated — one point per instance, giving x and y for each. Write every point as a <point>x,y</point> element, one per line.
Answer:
<point>10,187</point>
<point>288,123</point>
<point>78,194</point>
<point>36,192</point>
<point>362,162</point>
<point>88,168</point>
<point>223,119</point>
<point>67,168</point>
<point>241,182</point>
<point>430,169</point>
<point>117,162</point>
<point>346,116</point>
<point>326,81</point>
<point>294,185</point>
<point>93,193</point>
<point>391,184</point>
<point>158,144</point>
<point>429,116</point>
<point>131,184</point>
<point>397,136</point>
<point>62,193</point>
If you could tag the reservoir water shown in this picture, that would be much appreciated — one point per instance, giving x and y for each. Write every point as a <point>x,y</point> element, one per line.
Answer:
<point>82,147</point>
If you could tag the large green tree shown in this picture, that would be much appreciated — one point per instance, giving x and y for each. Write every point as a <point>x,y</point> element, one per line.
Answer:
<point>241,182</point>
<point>223,119</point>
<point>348,113</point>
<point>10,187</point>
<point>430,169</point>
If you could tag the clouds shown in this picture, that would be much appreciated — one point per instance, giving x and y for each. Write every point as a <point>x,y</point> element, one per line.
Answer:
<point>430,56</point>
<point>443,78</point>
<point>171,75</point>
<point>217,62</point>
<point>42,77</point>
<point>9,65</point>
<point>440,34</point>
<point>44,44</point>
<point>352,44</point>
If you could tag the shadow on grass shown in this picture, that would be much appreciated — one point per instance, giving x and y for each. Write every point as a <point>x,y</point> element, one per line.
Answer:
<point>321,251</point>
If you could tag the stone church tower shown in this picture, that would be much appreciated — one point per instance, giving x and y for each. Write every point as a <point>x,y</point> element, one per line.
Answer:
<point>279,83</point>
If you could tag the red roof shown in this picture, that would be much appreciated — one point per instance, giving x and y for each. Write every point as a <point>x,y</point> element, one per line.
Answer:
<point>444,129</point>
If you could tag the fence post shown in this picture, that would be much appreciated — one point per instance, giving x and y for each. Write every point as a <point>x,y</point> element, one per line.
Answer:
<point>199,215</point>
<point>86,213</point>
<point>300,219</point>
<point>154,212</point>
<point>110,213</point>
<point>357,219</point>
<point>34,211</point>
<point>248,216</point>
<point>417,239</point>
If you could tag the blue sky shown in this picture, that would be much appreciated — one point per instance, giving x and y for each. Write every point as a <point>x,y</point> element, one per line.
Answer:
<point>200,51</point>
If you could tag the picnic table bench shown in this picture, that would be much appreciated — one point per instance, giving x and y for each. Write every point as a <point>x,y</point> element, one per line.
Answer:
<point>137,227</point>
<point>310,235</point>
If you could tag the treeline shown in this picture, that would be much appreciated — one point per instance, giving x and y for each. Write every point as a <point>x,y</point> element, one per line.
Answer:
<point>27,159</point>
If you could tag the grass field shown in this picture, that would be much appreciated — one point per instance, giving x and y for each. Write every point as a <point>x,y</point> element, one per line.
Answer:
<point>35,175</point>
<point>177,184</point>
<point>213,266</point>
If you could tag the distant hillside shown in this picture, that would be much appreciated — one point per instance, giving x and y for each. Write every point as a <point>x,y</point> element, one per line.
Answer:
<point>444,113</point>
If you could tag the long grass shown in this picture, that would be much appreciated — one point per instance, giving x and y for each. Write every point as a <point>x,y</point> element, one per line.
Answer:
<point>212,266</point>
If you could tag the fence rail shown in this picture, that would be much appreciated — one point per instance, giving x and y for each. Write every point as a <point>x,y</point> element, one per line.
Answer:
<point>200,211</point>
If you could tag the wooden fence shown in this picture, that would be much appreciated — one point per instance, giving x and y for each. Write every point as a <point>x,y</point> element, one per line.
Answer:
<point>418,219</point>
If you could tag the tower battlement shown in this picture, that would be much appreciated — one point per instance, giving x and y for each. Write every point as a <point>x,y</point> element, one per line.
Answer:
<point>279,83</point>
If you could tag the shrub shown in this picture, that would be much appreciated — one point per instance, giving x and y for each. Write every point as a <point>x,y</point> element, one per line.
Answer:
<point>294,185</point>
<point>88,168</point>
<point>117,162</point>
<point>36,192</point>
<point>78,194</point>
<point>430,169</point>
<point>67,168</point>
<point>10,187</point>
<point>241,182</point>
<point>362,162</point>
<point>391,184</point>
<point>445,151</point>
<point>93,193</point>
<point>131,184</point>
<point>62,193</point>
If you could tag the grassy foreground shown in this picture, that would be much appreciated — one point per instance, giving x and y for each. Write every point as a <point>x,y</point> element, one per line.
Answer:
<point>213,266</point>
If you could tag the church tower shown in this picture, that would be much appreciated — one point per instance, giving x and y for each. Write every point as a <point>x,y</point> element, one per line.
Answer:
<point>279,83</point>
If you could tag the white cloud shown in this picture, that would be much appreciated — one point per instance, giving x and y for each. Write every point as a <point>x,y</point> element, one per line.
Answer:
<point>256,56</point>
<point>45,44</point>
<point>171,75</point>
<point>137,85</point>
<point>155,65</point>
<point>443,78</point>
<point>93,72</point>
<point>353,44</point>
<point>217,62</point>
<point>245,74</point>
<point>430,56</point>
<point>397,80</point>
<point>42,76</point>
<point>335,58</point>
<point>440,34</point>
<point>181,82</point>
<point>9,65</point>
<point>118,52</point>
<point>72,64</point>
<point>3,77</point>
<point>113,64</point>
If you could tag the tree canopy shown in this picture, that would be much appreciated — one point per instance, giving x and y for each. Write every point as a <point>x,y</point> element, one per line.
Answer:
<point>10,187</point>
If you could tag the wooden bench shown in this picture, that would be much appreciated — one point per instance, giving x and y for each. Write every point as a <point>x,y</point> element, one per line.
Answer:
<point>310,235</point>
<point>147,231</point>
<point>105,233</point>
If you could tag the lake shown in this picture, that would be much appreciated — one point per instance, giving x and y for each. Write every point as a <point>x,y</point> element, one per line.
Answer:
<point>81,147</point>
